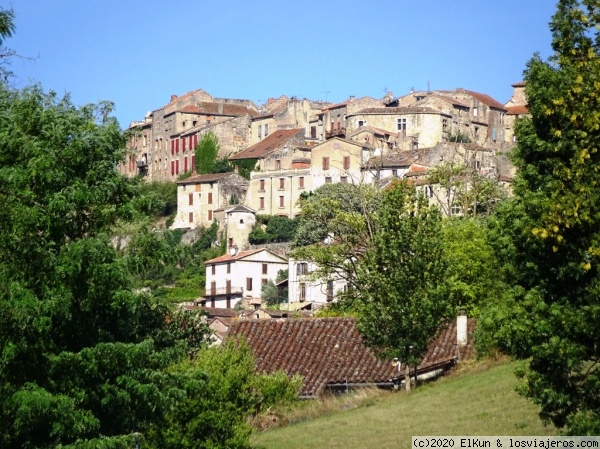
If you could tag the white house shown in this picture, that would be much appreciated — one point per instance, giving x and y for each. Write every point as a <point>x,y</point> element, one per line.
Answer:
<point>304,288</point>
<point>239,276</point>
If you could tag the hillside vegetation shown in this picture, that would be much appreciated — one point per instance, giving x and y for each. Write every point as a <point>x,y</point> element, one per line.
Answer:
<point>482,402</point>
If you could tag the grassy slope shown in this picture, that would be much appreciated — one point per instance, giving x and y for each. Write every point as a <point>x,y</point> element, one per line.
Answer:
<point>480,403</point>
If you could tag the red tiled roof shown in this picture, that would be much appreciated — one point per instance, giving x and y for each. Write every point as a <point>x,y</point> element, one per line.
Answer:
<point>230,258</point>
<point>400,110</point>
<point>517,110</point>
<point>209,177</point>
<point>331,351</point>
<point>269,144</point>
<point>486,99</point>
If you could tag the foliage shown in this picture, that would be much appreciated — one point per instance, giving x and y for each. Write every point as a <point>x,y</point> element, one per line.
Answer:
<point>458,137</point>
<point>156,199</point>
<point>246,166</point>
<point>473,272</point>
<point>403,298</point>
<point>222,389</point>
<point>82,358</point>
<point>553,316</point>
<point>277,229</point>
<point>337,224</point>
<point>207,151</point>
<point>270,293</point>
<point>7,28</point>
<point>465,191</point>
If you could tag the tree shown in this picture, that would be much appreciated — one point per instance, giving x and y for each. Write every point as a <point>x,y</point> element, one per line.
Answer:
<point>83,360</point>
<point>402,300</point>
<point>337,223</point>
<point>553,318</point>
<point>206,153</point>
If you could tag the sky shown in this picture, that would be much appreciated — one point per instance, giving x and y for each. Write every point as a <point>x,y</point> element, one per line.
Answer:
<point>138,53</point>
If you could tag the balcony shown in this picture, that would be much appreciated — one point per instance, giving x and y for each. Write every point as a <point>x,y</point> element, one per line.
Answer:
<point>223,291</point>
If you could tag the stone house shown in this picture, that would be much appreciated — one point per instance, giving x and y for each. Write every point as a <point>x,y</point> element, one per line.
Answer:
<point>239,276</point>
<point>198,197</point>
<point>138,149</point>
<point>337,160</point>
<point>169,144</point>
<point>415,126</point>
<point>332,120</point>
<point>282,173</point>
<point>284,113</point>
<point>236,223</point>
<point>516,107</point>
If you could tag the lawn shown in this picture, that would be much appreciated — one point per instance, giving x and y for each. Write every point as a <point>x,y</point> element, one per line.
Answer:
<point>480,402</point>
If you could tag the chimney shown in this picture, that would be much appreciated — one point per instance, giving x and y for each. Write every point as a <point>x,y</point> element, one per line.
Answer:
<point>173,98</point>
<point>220,107</point>
<point>461,329</point>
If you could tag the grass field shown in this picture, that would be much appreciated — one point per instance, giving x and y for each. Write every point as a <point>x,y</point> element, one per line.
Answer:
<point>482,401</point>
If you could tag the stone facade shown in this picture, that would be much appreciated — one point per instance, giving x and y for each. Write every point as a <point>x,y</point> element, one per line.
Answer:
<point>517,107</point>
<point>337,161</point>
<point>200,196</point>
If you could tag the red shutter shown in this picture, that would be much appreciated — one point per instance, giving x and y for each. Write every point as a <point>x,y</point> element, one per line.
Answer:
<point>195,140</point>
<point>177,166</point>
<point>183,141</point>
<point>172,168</point>
<point>177,145</point>
<point>193,163</point>
<point>172,147</point>
<point>185,167</point>
<point>191,143</point>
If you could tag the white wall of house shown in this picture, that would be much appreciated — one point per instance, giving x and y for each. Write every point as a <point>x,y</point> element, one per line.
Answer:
<point>244,273</point>
<point>302,288</point>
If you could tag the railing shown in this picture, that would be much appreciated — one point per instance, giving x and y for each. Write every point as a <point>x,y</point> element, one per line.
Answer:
<point>224,291</point>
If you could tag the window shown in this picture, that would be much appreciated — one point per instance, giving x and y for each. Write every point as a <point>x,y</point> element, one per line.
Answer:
<point>346,162</point>
<point>191,217</point>
<point>212,302</point>
<point>328,180</point>
<point>444,125</point>
<point>228,302</point>
<point>249,284</point>
<point>476,164</point>
<point>213,287</point>
<point>281,201</point>
<point>177,167</point>
<point>313,132</point>
<point>344,180</point>
<point>228,268</point>
<point>191,199</point>
<point>259,131</point>
<point>401,124</point>
<point>428,191</point>
<point>302,292</point>
<point>183,141</point>
<point>329,290</point>
<point>301,182</point>
<point>228,286</point>
<point>264,281</point>
<point>302,268</point>
<point>278,164</point>
<point>210,215</point>
<point>172,168</point>
<point>281,183</point>
<point>262,202</point>
<point>229,243</point>
<point>261,186</point>
<point>361,123</point>
<point>395,172</point>
<point>176,145</point>
<point>209,197</point>
<point>332,126</point>
<point>264,268</point>
<point>266,129</point>
<point>494,134</point>
<point>475,111</point>
<point>325,163</point>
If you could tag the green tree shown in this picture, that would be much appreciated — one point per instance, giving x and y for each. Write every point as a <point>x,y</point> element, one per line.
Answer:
<point>553,318</point>
<point>206,153</point>
<point>7,28</point>
<point>403,300</point>
<point>82,359</point>
<point>222,390</point>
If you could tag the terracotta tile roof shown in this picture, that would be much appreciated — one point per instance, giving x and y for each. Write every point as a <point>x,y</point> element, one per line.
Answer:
<point>519,84</point>
<point>209,177</point>
<point>517,110</point>
<point>230,258</point>
<point>371,129</point>
<point>398,159</point>
<point>487,100</point>
<point>331,351</point>
<point>269,144</point>
<point>337,105</point>
<point>400,111</point>
<point>217,312</point>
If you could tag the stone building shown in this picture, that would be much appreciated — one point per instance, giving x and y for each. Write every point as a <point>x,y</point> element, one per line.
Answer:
<point>337,161</point>
<point>198,197</point>
<point>516,107</point>
<point>282,172</point>
<point>170,134</point>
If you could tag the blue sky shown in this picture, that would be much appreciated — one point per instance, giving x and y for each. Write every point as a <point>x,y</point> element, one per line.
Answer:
<point>137,53</point>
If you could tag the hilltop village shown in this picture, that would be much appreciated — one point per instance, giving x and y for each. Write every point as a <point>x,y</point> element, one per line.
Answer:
<point>296,146</point>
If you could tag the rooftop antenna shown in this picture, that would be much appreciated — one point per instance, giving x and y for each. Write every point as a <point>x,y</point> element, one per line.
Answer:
<point>427,85</point>
<point>326,92</point>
